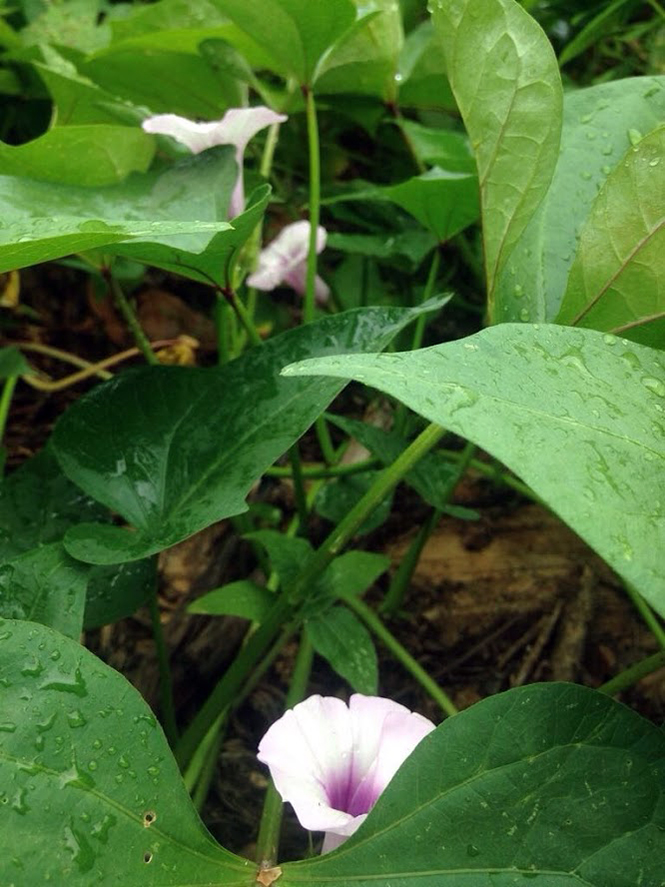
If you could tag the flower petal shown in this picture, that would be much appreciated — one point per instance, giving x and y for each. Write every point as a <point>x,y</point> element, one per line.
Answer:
<point>331,762</point>
<point>196,136</point>
<point>237,127</point>
<point>283,260</point>
<point>308,751</point>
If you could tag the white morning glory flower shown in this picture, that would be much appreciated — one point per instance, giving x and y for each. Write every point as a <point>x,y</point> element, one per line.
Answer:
<point>235,128</point>
<point>331,761</point>
<point>284,260</point>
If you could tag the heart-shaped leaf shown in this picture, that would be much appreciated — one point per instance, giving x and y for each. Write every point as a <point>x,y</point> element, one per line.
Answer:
<point>597,122</point>
<point>576,414</point>
<point>622,288</point>
<point>550,782</point>
<point>174,214</point>
<point>294,33</point>
<point>89,789</point>
<point>505,78</point>
<point>174,449</point>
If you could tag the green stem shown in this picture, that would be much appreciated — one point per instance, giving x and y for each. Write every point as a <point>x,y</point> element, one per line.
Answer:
<point>633,674</point>
<point>271,818</point>
<point>299,487</point>
<point>284,607</point>
<point>319,473</point>
<point>222,327</point>
<point>131,319</point>
<point>243,316</point>
<point>419,329</point>
<point>207,770</point>
<point>314,202</point>
<point>402,578</point>
<point>5,403</point>
<point>269,150</point>
<point>197,766</point>
<point>165,682</point>
<point>647,614</point>
<point>325,441</point>
<point>402,655</point>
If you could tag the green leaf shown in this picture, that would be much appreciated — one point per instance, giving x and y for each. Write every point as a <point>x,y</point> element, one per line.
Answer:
<point>352,573</point>
<point>444,202</point>
<point>80,155</point>
<point>414,245</point>
<point>594,140</point>
<point>243,598</point>
<point>439,147</point>
<point>92,791</point>
<point>505,78</point>
<point>422,78</point>
<point>174,214</point>
<point>617,281</point>
<point>337,498</point>
<point>77,99</point>
<point>214,262</point>
<point>73,23</point>
<point>430,478</point>
<point>45,585</point>
<point>287,554</point>
<point>37,507</point>
<point>365,61</point>
<point>118,591</point>
<point>551,403</point>
<point>168,448</point>
<point>12,363</point>
<point>550,782</point>
<point>345,643</point>
<point>294,33</point>
<point>164,74</point>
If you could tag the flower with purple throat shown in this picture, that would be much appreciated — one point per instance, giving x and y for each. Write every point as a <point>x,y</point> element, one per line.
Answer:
<point>235,128</point>
<point>284,260</point>
<point>331,761</point>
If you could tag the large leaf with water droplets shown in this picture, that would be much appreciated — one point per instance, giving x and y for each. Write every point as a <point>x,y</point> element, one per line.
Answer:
<point>89,790</point>
<point>578,415</point>
<point>617,281</point>
<point>170,216</point>
<point>174,449</point>
<point>550,784</point>
<point>598,124</point>
<point>505,78</point>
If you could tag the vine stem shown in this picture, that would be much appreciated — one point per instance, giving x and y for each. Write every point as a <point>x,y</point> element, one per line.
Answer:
<point>5,403</point>
<point>314,201</point>
<point>130,317</point>
<point>286,604</point>
<point>633,674</point>
<point>165,681</point>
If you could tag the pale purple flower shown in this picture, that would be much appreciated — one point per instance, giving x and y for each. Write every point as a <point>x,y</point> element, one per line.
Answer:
<point>331,761</point>
<point>284,260</point>
<point>235,128</point>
